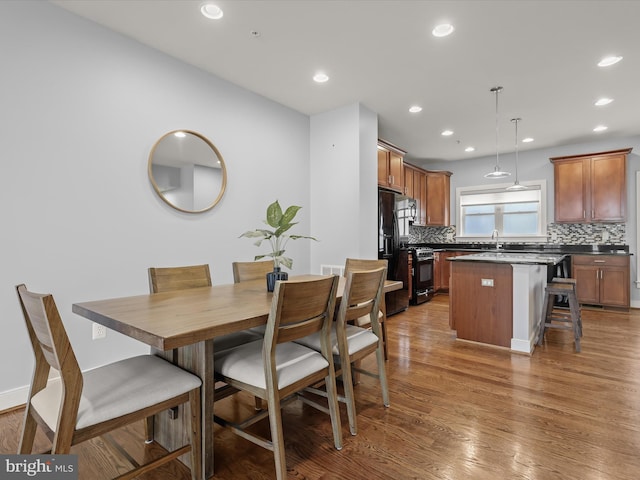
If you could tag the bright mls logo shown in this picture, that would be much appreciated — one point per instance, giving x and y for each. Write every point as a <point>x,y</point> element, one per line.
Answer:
<point>51,467</point>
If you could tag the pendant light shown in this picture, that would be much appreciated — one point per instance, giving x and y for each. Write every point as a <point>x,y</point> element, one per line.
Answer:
<point>516,185</point>
<point>497,171</point>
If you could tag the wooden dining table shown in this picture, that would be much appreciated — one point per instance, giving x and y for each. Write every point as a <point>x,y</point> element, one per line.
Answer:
<point>180,326</point>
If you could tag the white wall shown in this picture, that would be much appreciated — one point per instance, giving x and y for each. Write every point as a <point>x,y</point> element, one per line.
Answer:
<point>344,192</point>
<point>81,108</point>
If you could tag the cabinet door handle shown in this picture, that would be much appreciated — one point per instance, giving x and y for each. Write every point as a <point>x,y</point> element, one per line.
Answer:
<point>584,214</point>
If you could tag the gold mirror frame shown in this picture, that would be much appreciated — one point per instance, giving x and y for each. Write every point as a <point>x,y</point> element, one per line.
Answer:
<point>177,162</point>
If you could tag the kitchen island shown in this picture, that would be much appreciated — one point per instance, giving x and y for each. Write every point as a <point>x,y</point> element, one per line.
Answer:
<point>496,297</point>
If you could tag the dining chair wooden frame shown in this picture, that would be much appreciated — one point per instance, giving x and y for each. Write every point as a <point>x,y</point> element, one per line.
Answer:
<point>276,368</point>
<point>356,264</point>
<point>246,271</point>
<point>169,279</point>
<point>76,410</point>
<point>362,295</point>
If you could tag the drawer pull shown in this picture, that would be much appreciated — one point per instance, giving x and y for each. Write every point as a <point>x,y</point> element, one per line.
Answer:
<point>599,261</point>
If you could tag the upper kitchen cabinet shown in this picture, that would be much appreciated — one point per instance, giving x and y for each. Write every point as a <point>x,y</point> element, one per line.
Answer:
<point>409,183</point>
<point>437,198</point>
<point>390,166</point>
<point>591,188</point>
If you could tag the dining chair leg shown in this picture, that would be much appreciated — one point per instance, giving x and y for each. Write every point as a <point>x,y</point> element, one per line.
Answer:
<point>277,438</point>
<point>29,428</point>
<point>347,382</point>
<point>197,459</point>
<point>382,374</point>
<point>334,409</point>
<point>149,430</point>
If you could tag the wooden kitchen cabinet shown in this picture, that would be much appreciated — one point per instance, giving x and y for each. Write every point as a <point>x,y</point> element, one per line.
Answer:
<point>409,186</point>
<point>602,279</point>
<point>591,188</point>
<point>437,198</point>
<point>390,167</point>
<point>442,270</point>
<point>431,190</point>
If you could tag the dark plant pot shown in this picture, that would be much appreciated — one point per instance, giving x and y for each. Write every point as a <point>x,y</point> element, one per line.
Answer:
<point>273,277</point>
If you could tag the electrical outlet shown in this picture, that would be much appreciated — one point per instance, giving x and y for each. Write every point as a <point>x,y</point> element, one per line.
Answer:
<point>486,282</point>
<point>99,331</point>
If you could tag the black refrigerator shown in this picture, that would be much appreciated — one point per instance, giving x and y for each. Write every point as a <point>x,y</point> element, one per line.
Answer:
<point>395,215</point>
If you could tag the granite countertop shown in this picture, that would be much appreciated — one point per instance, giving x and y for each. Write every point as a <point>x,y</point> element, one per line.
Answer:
<point>511,257</point>
<point>545,248</point>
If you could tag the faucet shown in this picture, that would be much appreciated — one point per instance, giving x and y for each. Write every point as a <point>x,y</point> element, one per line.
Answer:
<point>494,236</point>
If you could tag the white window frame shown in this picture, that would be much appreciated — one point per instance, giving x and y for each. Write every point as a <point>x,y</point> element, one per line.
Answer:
<point>541,237</point>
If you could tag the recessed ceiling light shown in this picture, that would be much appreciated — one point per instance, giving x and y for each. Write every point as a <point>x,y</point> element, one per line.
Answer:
<point>607,61</point>
<point>415,109</point>
<point>211,11</point>
<point>527,140</point>
<point>600,128</point>
<point>603,101</point>
<point>470,149</point>
<point>442,30</point>
<point>321,77</point>
<point>447,133</point>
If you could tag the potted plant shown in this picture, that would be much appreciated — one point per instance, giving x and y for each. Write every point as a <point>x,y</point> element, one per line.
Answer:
<point>280,222</point>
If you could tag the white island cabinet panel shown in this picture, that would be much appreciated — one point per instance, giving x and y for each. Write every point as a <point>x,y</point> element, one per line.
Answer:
<point>529,282</point>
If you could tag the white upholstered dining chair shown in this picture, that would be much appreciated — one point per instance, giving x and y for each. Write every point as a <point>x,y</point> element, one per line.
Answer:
<point>276,367</point>
<point>351,343</point>
<point>82,406</point>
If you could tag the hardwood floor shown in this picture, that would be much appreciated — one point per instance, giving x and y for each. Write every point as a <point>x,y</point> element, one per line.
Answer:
<point>458,411</point>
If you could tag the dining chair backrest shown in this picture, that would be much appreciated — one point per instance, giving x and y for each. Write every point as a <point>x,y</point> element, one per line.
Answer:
<point>245,271</point>
<point>356,264</point>
<point>167,279</point>
<point>84,406</point>
<point>362,295</point>
<point>50,345</point>
<point>299,309</point>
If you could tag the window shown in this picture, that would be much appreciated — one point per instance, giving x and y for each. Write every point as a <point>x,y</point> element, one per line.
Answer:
<point>517,215</point>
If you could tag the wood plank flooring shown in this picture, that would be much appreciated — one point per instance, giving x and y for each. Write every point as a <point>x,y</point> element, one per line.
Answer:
<point>458,411</point>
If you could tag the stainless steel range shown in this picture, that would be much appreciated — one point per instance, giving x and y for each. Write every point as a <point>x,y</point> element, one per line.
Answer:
<point>422,275</point>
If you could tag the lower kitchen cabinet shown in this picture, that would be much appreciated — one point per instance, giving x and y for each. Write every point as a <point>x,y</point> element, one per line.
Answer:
<point>602,279</point>
<point>441,271</point>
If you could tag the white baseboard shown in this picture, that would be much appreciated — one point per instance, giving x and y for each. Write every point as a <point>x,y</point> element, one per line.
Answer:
<point>18,396</point>
<point>13,398</point>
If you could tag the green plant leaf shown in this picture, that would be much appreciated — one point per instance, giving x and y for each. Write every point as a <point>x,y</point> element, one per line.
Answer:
<point>289,215</point>
<point>278,238</point>
<point>256,234</point>
<point>286,261</point>
<point>295,237</point>
<point>274,214</point>
<point>284,228</point>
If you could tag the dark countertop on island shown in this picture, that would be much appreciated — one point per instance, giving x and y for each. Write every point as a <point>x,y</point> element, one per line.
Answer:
<point>544,248</point>
<point>528,258</point>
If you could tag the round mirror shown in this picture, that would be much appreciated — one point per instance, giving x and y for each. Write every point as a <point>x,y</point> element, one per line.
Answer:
<point>187,171</point>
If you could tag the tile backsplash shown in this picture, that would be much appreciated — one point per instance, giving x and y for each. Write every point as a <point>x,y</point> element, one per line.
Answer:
<point>560,233</point>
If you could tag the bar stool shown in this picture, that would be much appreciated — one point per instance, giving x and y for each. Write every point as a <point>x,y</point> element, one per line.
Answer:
<point>556,318</point>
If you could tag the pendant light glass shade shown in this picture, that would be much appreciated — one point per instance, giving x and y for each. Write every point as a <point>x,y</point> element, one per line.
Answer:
<point>497,171</point>
<point>516,185</point>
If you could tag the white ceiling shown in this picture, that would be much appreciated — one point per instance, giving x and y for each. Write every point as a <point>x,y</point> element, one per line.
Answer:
<point>382,54</point>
